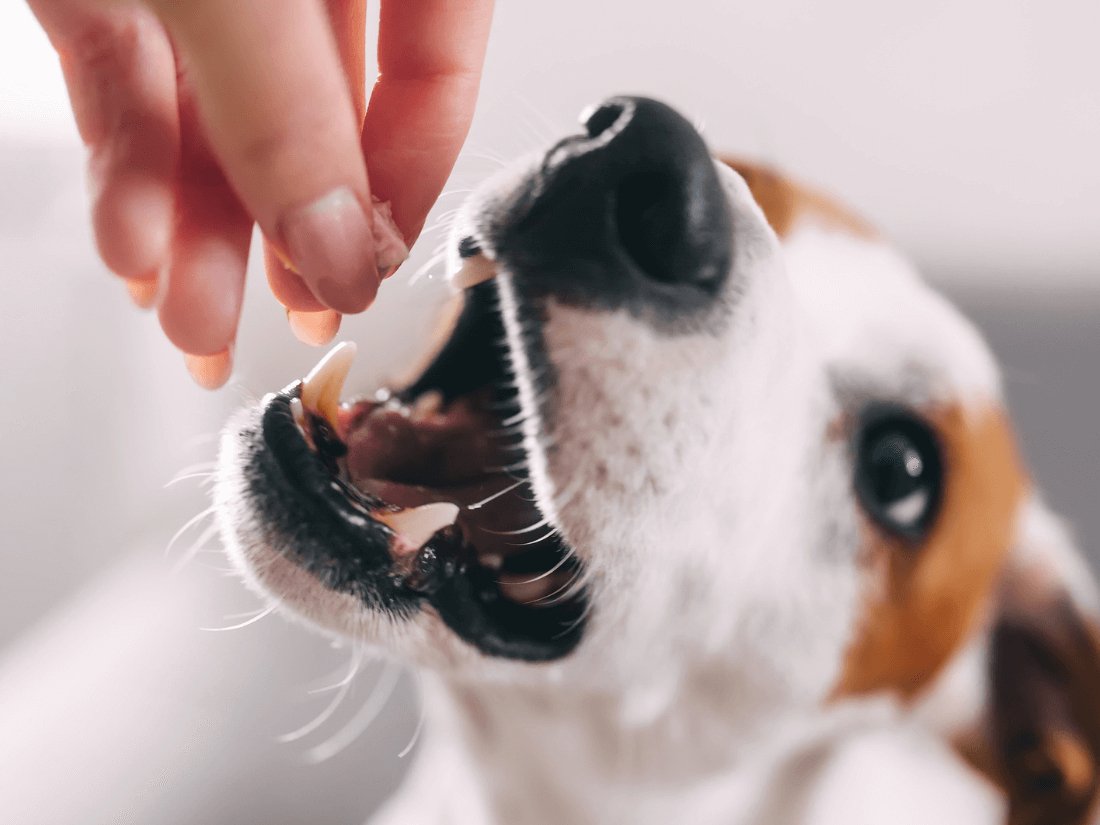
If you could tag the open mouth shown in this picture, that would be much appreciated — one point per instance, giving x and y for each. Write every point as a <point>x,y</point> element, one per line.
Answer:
<point>418,495</point>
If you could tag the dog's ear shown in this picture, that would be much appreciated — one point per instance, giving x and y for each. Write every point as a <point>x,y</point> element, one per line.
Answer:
<point>1043,723</point>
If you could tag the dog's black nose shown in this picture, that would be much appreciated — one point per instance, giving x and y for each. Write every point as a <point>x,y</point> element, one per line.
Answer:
<point>631,211</point>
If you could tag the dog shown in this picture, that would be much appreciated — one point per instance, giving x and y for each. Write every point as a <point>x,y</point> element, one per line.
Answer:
<point>704,508</point>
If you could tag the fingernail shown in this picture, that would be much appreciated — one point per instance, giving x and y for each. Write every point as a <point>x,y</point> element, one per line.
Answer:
<point>143,292</point>
<point>330,242</point>
<point>314,328</point>
<point>210,371</point>
<point>390,249</point>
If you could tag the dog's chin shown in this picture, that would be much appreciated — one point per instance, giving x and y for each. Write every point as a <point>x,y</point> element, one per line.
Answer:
<point>408,509</point>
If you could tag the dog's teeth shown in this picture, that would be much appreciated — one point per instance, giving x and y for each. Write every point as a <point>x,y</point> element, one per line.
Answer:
<point>427,404</point>
<point>298,412</point>
<point>474,271</point>
<point>418,524</point>
<point>321,389</point>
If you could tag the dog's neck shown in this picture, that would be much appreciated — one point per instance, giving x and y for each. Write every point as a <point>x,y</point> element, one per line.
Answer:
<point>501,753</point>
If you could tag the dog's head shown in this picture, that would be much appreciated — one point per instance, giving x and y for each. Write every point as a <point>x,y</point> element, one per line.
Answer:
<point>690,425</point>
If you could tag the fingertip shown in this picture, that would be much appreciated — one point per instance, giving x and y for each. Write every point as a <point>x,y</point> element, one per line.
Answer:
<point>143,292</point>
<point>210,372</point>
<point>314,328</point>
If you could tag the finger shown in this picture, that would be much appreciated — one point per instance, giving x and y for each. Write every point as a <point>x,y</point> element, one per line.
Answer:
<point>347,19</point>
<point>210,371</point>
<point>120,74</point>
<point>430,55</point>
<point>314,328</point>
<point>143,292</point>
<point>278,114</point>
<point>202,299</point>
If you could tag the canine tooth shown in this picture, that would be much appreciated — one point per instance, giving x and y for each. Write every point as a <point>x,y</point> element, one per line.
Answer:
<point>474,271</point>
<point>418,524</point>
<point>322,387</point>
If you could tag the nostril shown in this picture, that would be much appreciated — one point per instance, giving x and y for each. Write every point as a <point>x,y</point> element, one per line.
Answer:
<point>647,222</point>
<point>603,118</point>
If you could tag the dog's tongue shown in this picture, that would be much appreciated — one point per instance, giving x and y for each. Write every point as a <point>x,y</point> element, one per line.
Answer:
<point>409,457</point>
<point>421,445</point>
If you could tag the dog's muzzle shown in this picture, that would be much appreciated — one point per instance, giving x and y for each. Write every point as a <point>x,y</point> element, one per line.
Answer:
<point>420,497</point>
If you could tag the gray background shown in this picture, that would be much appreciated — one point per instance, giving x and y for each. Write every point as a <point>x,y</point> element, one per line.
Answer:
<point>967,130</point>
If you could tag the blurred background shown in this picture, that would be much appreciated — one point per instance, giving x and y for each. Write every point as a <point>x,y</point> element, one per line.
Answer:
<point>967,130</point>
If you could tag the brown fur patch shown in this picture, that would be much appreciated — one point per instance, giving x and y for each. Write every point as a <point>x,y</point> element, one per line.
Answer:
<point>931,597</point>
<point>1042,734</point>
<point>787,204</point>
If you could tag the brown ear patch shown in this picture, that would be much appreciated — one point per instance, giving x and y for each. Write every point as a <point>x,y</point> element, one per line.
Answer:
<point>931,597</point>
<point>1044,723</point>
<point>787,204</point>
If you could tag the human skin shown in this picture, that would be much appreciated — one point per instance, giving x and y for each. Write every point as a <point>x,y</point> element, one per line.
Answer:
<point>204,117</point>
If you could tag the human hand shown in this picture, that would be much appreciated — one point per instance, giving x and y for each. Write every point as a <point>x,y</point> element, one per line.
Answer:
<point>204,116</point>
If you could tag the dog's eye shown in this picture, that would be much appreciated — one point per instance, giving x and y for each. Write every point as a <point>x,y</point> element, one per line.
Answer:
<point>899,472</point>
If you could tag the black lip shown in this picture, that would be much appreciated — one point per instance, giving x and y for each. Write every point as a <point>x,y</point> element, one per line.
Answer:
<point>323,524</point>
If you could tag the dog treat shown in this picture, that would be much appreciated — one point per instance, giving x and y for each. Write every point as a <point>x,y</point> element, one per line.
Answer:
<point>474,271</point>
<point>321,389</point>
<point>390,249</point>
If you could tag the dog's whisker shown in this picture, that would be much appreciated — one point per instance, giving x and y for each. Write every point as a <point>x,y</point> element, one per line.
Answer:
<point>356,664</point>
<point>507,469</point>
<point>197,547</point>
<point>204,476</point>
<point>376,702</point>
<point>569,627</point>
<point>529,529</point>
<point>543,537</point>
<point>431,263</point>
<point>419,723</point>
<point>252,619</point>
<point>343,687</point>
<point>564,560</point>
<point>477,505</point>
<point>451,192</point>
<point>518,418</point>
<point>209,512</point>
<point>486,156</point>
<point>566,592</point>
<point>201,469</point>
